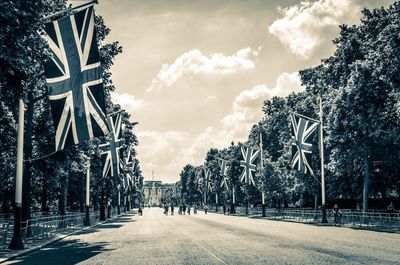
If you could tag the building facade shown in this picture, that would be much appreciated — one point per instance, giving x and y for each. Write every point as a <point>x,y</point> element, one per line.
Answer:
<point>157,193</point>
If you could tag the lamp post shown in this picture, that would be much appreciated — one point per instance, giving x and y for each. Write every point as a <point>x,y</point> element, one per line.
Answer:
<point>16,241</point>
<point>87,218</point>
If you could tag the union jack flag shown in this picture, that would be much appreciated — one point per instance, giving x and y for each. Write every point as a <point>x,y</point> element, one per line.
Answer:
<point>199,184</point>
<point>209,186</point>
<point>127,181</point>
<point>302,129</point>
<point>224,173</point>
<point>128,162</point>
<point>207,175</point>
<point>110,150</point>
<point>73,76</point>
<point>249,155</point>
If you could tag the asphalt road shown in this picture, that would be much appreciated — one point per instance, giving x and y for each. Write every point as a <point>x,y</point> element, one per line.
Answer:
<point>216,239</point>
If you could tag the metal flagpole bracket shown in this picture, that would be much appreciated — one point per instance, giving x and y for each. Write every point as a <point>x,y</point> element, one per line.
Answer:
<point>49,18</point>
<point>303,116</point>
<point>115,112</point>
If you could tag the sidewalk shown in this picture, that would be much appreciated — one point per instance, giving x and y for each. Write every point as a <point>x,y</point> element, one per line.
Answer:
<point>36,244</point>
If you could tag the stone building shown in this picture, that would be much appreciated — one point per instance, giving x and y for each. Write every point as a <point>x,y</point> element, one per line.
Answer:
<point>157,193</point>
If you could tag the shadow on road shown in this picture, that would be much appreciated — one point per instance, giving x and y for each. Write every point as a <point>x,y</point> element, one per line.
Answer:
<point>123,220</point>
<point>108,226</point>
<point>63,253</point>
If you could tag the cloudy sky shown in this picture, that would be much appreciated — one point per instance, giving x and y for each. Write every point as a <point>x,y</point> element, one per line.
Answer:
<point>194,74</point>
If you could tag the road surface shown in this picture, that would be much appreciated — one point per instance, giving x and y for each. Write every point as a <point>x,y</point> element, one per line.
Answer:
<point>216,239</point>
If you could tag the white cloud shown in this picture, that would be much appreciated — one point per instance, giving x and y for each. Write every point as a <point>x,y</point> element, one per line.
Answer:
<point>194,62</point>
<point>246,108</point>
<point>127,102</point>
<point>246,111</point>
<point>210,100</point>
<point>159,149</point>
<point>303,26</point>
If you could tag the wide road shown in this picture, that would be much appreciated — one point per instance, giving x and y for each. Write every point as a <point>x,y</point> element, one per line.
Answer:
<point>216,239</point>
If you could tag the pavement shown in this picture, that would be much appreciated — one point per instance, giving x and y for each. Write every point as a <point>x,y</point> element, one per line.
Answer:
<point>216,239</point>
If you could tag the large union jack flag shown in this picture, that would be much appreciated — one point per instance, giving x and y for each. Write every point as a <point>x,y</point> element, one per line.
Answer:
<point>302,129</point>
<point>249,155</point>
<point>199,184</point>
<point>73,75</point>
<point>207,176</point>
<point>224,173</point>
<point>110,150</point>
<point>128,165</point>
<point>127,162</point>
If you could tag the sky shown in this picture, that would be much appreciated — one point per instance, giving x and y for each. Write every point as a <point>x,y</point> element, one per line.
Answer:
<point>195,74</point>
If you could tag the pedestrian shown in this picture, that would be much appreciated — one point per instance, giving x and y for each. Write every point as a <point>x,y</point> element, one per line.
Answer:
<point>224,208</point>
<point>140,211</point>
<point>188,209</point>
<point>195,209</point>
<point>166,209</point>
<point>337,214</point>
<point>172,209</point>
<point>205,208</point>
<point>390,208</point>
<point>184,209</point>
<point>180,209</point>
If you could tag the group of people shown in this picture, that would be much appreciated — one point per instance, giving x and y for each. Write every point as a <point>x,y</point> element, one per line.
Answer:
<point>183,209</point>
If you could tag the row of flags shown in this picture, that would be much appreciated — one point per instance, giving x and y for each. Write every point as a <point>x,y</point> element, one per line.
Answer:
<point>302,131</point>
<point>76,93</point>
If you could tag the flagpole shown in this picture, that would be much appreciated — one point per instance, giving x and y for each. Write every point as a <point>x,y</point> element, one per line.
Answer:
<point>322,161</point>
<point>87,219</point>
<point>233,199</point>
<point>216,201</point>
<point>262,177</point>
<point>16,242</point>
<point>119,200</point>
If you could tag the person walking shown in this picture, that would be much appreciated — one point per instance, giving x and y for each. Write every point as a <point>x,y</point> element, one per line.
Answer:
<point>390,208</point>
<point>337,214</point>
<point>172,209</point>
<point>195,209</point>
<point>224,208</point>
<point>184,209</point>
<point>205,208</point>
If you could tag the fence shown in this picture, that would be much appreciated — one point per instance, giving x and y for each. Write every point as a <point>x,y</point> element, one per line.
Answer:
<point>372,219</point>
<point>45,225</point>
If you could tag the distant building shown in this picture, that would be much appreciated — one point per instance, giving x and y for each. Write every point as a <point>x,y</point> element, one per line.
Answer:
<point>157,193</point>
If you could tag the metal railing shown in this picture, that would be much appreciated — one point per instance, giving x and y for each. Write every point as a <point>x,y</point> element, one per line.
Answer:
<point>42,226</point>
<point>370,219</point>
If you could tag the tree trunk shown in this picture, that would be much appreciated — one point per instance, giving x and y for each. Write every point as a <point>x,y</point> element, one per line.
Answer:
<point>102,207</point>
<point>64,193</point>
<point>82,195</point>
<point>366,182</point>
<point>95,199</point>
<point>44,197</point>
<point>316,206</point>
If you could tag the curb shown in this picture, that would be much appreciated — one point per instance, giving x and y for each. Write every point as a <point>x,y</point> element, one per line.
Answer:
<point>51,241</point>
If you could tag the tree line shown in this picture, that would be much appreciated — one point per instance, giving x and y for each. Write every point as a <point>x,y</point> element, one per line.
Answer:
<point>360,88</point>
<point>52,181</point>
